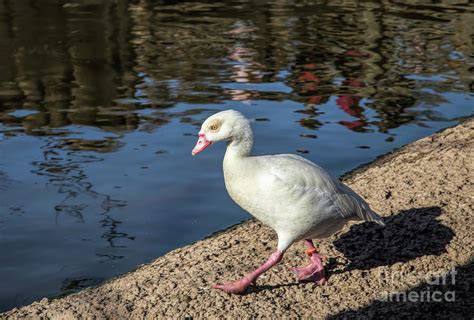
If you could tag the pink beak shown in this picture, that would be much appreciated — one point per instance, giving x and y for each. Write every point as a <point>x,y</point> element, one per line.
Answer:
<point>201,144</point>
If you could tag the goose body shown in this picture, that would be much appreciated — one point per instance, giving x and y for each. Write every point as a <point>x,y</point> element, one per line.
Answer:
<point>286,192</point>
<point>293,196</point>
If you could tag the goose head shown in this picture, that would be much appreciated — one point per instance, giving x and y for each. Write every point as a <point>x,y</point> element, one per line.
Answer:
<point>229,125</point>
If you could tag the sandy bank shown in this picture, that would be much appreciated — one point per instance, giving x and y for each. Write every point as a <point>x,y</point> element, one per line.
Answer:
<point>425,192</point>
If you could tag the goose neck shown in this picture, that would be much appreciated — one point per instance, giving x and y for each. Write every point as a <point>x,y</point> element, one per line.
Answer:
<point>239,147</point>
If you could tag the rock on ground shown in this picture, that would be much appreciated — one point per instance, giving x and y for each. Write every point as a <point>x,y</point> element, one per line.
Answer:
<point>424,191</point>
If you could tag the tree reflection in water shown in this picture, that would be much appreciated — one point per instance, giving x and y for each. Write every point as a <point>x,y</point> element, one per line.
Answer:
<point>95,63</point>
<point>63,164</point>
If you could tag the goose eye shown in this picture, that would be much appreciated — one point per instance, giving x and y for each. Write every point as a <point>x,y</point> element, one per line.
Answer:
<point>214,127</point>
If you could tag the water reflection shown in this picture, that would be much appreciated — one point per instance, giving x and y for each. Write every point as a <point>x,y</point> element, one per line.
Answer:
<point>64,171</point>
<point>94,64</point>
<point>100,100</point>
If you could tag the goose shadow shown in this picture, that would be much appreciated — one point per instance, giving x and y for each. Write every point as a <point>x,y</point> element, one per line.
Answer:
<point>407,235</point>
<point>268,287</point>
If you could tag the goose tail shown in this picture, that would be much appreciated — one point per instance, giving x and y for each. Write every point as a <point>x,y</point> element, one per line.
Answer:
<point>371,215</point>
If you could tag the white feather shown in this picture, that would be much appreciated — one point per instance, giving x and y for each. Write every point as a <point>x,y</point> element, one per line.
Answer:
<point>289,193</point>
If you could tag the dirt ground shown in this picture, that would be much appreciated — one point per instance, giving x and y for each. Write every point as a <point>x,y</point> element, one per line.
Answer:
<point>425,192</point>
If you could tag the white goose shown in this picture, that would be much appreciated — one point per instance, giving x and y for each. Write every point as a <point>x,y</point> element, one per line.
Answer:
<point>289,193</point>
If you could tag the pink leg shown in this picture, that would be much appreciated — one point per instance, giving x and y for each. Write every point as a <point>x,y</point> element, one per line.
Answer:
<point>314,272</point>
<point>242,284</point>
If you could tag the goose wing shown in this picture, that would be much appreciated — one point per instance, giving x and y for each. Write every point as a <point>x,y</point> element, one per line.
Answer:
<point>299,178</point>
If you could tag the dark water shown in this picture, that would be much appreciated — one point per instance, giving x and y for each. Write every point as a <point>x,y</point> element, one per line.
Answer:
<point>100,102</point>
